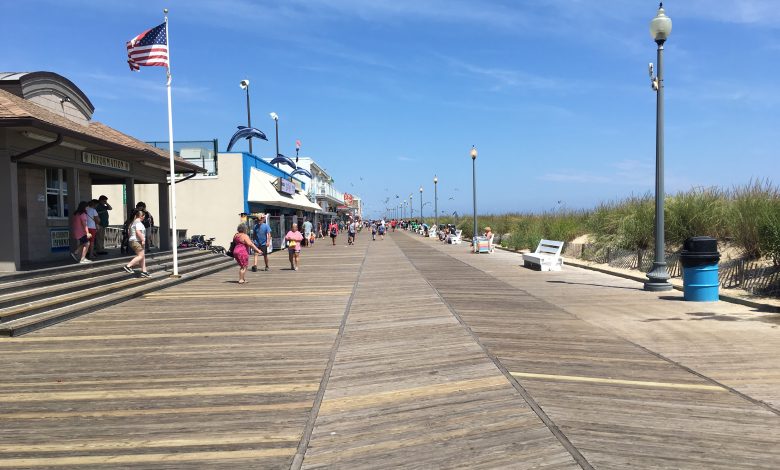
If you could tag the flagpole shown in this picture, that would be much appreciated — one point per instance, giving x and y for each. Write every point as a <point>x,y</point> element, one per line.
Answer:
<point>174,234</point>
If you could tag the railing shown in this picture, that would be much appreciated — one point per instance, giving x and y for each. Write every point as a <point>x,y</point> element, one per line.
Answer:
<point>113,236</point>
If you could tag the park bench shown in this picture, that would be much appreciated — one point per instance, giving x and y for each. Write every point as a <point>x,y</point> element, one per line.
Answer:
<point>547,256</point>
<point>433,232</point>
<point>455,239</point>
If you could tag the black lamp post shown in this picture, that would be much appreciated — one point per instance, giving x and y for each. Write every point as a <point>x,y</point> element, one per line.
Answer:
<point>422,220</point>
<point>245,86</point>
<point>658,277</point>
<point>436,201</point>
<point>474,189</point>
<point>275,117</point>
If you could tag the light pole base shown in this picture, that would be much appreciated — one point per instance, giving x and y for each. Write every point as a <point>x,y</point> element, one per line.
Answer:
<point>658,279</point>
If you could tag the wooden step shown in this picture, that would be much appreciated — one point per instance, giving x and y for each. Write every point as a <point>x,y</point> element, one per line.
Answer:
<point>50,296</point>
<point>72,272</point>
<point>135,288</point>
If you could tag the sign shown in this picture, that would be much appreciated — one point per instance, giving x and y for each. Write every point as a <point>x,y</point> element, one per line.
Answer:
<point>284,186</point>
<point>348,198</point>
<point>298,185</point>
<point>60,239</point>
<point>107,162</point>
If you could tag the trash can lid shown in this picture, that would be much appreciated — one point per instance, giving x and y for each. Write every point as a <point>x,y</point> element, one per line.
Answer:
<point>700,245</point>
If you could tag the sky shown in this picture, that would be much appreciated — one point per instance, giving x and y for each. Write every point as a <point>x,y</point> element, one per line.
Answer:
<point>385,94</point>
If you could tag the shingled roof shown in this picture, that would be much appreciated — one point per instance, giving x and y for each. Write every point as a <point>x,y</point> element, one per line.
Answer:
<point>19,112</point>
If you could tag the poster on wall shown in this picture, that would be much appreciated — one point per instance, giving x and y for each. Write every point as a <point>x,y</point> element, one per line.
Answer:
<point>60,240</point>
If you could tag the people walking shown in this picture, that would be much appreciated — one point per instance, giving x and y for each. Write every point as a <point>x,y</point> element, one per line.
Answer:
<point>80,233</point>
<point>241,245</point>
<point>351,229</point>
<point>382,229</point>
<point>333,231</point>
<point>307,229</point>
<point>148,222</point>
<point>136,241</point>
<point>373,232</point>
<point>93,221</point>
<point>262,238</point>
<point>102,209</point>
<point>294,240</point>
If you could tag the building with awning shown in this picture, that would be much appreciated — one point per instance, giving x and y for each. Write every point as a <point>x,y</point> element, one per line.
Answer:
<point>243,184</point>
<point>52,153</point>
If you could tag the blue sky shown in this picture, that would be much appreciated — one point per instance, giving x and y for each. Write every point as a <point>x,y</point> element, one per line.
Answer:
<point>387,93</point>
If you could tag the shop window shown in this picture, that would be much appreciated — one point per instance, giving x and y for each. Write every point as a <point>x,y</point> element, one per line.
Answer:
<point>56,193</point>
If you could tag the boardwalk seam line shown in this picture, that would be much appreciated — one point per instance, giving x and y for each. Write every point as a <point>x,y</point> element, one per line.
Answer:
<point>535,407</point>
<point>300,455</point>
<point>660,356</point>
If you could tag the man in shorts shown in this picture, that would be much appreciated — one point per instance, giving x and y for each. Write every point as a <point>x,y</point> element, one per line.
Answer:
<point>262,238</point>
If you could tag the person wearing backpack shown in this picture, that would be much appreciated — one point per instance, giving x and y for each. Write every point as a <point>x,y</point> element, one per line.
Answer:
<point>333,230</point>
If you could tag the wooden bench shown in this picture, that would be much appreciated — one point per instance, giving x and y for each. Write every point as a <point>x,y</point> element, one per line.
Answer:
<point>547,256</point>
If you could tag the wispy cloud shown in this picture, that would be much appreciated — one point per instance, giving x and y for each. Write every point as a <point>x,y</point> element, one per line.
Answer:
<point>622,173</point>
<point>405,159</point>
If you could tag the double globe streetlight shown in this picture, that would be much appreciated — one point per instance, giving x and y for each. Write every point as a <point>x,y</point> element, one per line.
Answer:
<point>658,277</point>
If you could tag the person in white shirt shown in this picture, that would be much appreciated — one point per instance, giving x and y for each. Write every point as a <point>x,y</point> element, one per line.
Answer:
<point>93,220</point>
<point>136,240</point>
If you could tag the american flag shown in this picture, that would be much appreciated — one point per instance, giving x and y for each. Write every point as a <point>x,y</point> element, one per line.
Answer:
<point>148,48</point>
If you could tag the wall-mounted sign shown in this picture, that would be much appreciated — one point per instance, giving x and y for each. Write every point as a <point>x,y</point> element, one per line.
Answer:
<point>107,162</point>
<point>60,239</point>
<point>298,185</point>
<point>348,198</point>
<point>285,186</point>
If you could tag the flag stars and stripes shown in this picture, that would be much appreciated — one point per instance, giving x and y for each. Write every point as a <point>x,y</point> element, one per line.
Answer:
<point>149,48</point>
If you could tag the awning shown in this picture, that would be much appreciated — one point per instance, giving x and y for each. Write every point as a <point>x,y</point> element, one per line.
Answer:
<point>263,191</point>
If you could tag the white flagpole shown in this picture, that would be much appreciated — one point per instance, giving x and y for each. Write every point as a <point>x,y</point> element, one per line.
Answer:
<point>174,235</point>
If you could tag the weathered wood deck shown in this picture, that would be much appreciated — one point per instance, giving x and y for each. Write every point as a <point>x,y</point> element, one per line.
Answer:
<point>401,353</point>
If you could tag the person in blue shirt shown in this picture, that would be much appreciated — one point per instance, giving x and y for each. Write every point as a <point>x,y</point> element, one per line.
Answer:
<point>261,238</point>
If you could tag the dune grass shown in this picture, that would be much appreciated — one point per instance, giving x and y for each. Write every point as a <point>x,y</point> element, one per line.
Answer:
<point>747,215</point>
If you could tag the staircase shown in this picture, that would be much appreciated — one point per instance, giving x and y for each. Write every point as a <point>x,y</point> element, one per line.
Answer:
<point>31,300</point>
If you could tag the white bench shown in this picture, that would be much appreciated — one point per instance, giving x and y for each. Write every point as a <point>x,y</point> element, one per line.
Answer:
<point>455,239</point>
<point>433,232</point>
<point>547,256</point>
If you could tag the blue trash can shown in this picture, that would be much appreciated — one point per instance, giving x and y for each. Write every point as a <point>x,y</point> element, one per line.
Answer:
<point>699,259</point>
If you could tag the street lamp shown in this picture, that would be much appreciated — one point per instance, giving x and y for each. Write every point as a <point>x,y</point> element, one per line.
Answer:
<point>411,206</point>
<point>422,219</point>
<point>245,86</point>
<point>658,277</point>
<point>436,200</point>
<point>275,117</point>
<point>474,189</point>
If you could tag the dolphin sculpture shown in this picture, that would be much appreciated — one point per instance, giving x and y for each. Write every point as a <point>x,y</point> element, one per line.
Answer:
<point>302,171</point>
<point>244,132</point>
<point>283,160</point>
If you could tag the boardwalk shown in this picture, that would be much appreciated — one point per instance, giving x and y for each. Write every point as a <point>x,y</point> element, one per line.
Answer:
<point>401,353</point>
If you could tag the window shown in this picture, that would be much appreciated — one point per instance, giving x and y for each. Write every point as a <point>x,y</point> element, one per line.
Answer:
<point>56,193</point>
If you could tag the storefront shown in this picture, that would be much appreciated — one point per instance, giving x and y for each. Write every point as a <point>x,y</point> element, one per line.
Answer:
<point>51,154</point>
<point>248,184</point>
